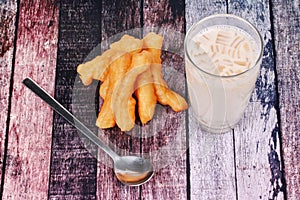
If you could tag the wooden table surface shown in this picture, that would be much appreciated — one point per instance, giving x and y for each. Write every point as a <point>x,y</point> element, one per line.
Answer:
<point>42,156</point>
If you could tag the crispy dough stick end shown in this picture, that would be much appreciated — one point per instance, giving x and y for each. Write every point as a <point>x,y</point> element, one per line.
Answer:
<point>179,103</point>
<point>105,119</point>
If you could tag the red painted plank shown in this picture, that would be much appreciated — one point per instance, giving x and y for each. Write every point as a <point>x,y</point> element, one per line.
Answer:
<point>30,128</point>
<point>286,16</point>
<point>164,138</point>
<point>8,12</point>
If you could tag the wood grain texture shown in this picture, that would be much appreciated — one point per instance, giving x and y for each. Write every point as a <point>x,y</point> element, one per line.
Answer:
<point>164,138</point>
<point>30,128</point>
<point>73,162</point>
<point>257,146</point>
<point>286,16</point>
<point>117,18</point>
<point>8,11</point>
<point>212,167</point>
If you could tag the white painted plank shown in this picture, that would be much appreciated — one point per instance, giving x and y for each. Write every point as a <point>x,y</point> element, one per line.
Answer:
<point>258,166</point>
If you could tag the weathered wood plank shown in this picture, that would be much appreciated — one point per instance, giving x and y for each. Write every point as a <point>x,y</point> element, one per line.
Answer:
<point>73,165</point>
<point>212,167</point>
<point>286,16</point>
<point>117,17</point>
<point>30,128</point>
<point>8,11</point>
<point>164,138</point>
<point>258,159</point>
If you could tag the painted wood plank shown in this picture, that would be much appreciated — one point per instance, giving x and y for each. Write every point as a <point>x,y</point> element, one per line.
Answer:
<point>164,138</point>
<point>287,44</point>
<point>258,158</point>
<point>8,11</point>
<point>30,128</point>
<point>211,157</point>
<point>117,18</point>
<point>73,163</point>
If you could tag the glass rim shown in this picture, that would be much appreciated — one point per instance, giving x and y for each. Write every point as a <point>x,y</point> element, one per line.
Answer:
<point>231,16</point>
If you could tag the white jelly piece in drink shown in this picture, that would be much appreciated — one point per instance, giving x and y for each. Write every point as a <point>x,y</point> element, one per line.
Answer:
<point>224,50</point>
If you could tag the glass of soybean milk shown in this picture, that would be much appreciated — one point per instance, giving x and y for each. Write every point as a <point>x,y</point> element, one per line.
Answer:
<point>223,55</point>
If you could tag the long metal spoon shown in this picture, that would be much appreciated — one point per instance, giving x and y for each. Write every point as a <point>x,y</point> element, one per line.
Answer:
<point>130,170</point>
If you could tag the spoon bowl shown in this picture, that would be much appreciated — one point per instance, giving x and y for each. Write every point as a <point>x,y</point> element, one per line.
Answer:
<point>133,170</point>
<point>130,170</point>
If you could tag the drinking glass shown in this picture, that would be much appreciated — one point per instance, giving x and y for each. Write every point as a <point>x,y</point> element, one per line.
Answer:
<point>218,101</point>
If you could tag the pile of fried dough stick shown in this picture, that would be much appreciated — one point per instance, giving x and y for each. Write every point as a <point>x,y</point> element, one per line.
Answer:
<point>130,68</point>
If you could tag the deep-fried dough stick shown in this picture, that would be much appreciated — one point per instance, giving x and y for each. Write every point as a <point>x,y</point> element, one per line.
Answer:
<point>128,44</point>
<point>116,72</point>
<point>96,68</point>
<point>119,82</point>
<point>165,96</point>
<point>153,44</point>
<point>123,91</point>
<point>145,95</point>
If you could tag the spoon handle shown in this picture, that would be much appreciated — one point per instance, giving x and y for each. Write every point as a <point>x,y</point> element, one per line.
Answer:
<point>33,86</point>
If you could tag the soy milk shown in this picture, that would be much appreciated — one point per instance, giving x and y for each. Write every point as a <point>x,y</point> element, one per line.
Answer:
<point>220,75</point>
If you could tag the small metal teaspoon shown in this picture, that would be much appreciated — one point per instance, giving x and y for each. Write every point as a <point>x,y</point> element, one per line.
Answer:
<point>130,170</point>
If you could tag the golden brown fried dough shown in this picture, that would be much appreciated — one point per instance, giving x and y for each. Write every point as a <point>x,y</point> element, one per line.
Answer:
<point>165,96</point>
<point>125,88</point>
<point>128,44</point>
<point>153,44</point>
<point>130,64</point>
<point>104,88</point>
<point>145,95</point>
<point>116,72</point>
<point>96,68</point>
